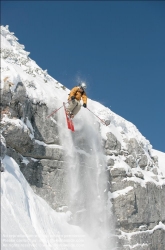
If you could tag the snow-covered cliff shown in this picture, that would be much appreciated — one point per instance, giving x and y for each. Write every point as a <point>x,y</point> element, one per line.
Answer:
<point>104,187</point>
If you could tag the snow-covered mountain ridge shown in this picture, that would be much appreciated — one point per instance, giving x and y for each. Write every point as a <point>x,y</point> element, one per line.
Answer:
<point>110,178</point>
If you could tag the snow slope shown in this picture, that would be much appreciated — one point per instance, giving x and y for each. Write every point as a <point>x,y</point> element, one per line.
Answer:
<point>161,160</point>
<point>29,223</point>
<point>42,88</point>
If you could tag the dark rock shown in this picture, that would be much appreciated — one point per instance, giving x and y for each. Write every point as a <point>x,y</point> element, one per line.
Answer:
<point>134,147</point>
<point>2,167</point>
<point>110,162</point>
<point>118,172</point>
<point>48,179</point>
<point>130,160</point>
<point>3,147</point>
<point>112,143</point>
<point>139,175</point>
<point>17,136</point>
<point>143,161</point>
<point>44,129</point>
<point>6,94</point>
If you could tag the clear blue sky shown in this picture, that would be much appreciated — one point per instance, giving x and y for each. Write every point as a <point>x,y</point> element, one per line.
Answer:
<point>117,47</point>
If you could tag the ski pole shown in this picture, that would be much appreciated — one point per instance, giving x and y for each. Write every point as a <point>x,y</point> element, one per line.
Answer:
<point>55,111</point>
<point>103,121</point>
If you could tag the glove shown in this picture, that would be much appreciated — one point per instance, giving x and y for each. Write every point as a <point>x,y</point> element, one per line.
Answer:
<point>73,99</point>
<point>84,105</point>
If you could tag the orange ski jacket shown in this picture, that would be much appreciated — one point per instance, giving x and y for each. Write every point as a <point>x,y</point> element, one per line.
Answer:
<point>78,94</point>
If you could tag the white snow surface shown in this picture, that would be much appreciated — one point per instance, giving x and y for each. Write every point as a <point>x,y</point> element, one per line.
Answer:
<point>161,160</point>
<point>26,218</point>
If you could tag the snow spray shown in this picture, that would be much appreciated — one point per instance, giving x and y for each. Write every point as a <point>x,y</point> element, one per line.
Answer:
<point>87,178</point>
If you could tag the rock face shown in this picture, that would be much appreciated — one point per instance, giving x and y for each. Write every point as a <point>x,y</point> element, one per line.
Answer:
<point>12,133</point>
<point>3,151</point>
<point>27,133</point>
<point>138,204</point>
<point>112,145</point>
<point>44,129</point>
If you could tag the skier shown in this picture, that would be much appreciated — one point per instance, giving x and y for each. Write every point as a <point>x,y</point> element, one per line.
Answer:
<point>75,96</point>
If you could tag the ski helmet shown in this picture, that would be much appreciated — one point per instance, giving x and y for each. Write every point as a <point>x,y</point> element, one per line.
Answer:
<point>83,85</point>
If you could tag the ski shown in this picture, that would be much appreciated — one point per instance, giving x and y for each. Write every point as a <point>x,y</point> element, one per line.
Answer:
<point>68,120</point>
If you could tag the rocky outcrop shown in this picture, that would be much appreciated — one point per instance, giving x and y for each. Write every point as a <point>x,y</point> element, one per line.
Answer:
<point>33,141</point>
<point>6,94</point>
<point>112,145</point>
<point>48,178</point>
<point>3,151</point>
<point>143,162</point>
<point>17,135</point>
<point>3,147</point>
<point>149,240</point>
<point>138,203</point>
<point>134,148</point>
<point>130,160</point>
<point>44,129</point>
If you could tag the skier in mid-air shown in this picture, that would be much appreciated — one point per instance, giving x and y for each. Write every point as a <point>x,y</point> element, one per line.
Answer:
<point>75,96</point>
<point>74,106</point>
